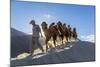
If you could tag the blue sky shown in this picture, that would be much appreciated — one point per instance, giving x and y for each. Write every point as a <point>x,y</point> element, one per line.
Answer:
<point>81,17</point>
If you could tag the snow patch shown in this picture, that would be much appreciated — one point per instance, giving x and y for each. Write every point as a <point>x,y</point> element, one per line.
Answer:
<point>22,56</point>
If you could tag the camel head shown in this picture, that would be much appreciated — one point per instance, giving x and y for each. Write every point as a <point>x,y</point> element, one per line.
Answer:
<point>74,29</point>
<point>44,25</point>
<point>59,23</point>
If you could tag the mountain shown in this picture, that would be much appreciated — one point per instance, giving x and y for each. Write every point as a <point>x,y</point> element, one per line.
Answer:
<point>15,32</point>
<point>81,51</point>
<point>19,42</point>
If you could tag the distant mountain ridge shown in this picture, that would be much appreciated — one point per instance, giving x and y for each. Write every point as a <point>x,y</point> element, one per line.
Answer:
<point>19,42</point>
<point>16,32</point>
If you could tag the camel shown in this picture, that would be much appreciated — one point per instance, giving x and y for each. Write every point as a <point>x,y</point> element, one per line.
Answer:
<point>49,32</point>
<point>69,33</point>
<point>74,34</point>
<point>65,32</point>
<point>53,32</point>
<point>60,30</point>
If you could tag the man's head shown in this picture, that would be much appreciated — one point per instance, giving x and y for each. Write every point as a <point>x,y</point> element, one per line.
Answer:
<point>32,22</point>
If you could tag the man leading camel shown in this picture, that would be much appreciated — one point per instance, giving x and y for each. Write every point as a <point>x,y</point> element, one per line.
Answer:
<point>35,38</point>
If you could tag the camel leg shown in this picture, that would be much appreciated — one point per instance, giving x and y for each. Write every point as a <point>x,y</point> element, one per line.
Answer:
<point>66,39</point>
<point>54,40</point>
<point>47,39</point>
<point>46,45</point>
<point>75,37</point>
<point>70,38</point>
<point>62,39</point>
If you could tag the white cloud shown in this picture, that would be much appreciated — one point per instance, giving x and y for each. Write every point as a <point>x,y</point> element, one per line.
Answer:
<point>47,16</point>
<point>90,38</point>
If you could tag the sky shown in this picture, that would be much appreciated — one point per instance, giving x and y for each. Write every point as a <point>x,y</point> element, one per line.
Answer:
<point>80,16</point>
